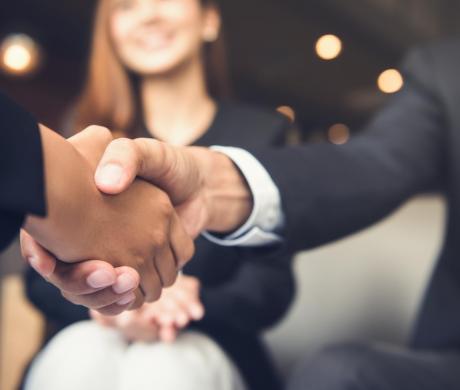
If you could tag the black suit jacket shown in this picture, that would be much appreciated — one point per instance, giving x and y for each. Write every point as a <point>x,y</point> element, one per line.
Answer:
<point>21,169</point>
<point>412,146</point>
<point>243,291</point>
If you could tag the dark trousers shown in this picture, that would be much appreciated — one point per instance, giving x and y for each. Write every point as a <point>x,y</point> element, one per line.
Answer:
<point>374,367</point>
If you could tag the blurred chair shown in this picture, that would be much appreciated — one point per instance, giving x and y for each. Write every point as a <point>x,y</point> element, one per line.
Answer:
<point>366,287</point>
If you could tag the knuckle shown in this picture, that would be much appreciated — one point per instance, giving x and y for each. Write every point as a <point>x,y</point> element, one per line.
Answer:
<point>160,238</point>
<point>154,295</point>
<point>103,133</point>
<point>170,279</point>
<point>125,144</point>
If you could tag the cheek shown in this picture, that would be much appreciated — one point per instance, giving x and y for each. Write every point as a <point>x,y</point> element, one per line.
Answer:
<point>119,30</point>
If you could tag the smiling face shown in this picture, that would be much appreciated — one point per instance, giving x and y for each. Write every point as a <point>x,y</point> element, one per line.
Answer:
<point>154,37</point>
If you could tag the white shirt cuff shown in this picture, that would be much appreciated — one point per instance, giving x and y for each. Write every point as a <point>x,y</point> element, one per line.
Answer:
<point>267,216</point>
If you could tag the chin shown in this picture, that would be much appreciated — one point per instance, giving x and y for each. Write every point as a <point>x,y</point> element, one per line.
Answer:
<point>157,68</point>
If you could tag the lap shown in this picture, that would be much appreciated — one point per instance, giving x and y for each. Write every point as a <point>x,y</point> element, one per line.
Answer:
<point>193,361</point>
<point>377,367</point>
<point>86,355</point>
<point>83,355</point>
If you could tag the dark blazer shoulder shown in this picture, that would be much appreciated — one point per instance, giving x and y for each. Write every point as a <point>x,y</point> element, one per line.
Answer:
<point>249,125</point>
<point>434,65</point>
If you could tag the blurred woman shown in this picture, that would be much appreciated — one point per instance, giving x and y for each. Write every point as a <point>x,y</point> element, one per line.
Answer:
<point>157,69</point>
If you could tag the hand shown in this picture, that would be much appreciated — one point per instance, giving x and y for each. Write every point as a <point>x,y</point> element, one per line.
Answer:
<point>132,325</point>
<point>94,284</point>
<point>205,186</point>
<point>178,306</point>
<point>116,229</point>
<point>161,320</point>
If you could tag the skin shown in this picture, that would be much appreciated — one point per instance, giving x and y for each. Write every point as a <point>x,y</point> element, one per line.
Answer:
<point>162,320</point>
<point>83,224</point>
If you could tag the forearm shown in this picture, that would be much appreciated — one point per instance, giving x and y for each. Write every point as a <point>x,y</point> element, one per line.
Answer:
<point>69,186</point>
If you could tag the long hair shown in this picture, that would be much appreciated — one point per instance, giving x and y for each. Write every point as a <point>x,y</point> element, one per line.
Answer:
<point>110,96</point>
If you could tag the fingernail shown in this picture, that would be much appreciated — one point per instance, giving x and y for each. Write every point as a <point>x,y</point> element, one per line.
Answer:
<point>127,299</point>
<point>100,279</point>
<point>181,320</point>
<point>124,283</point>
<point>109,175</point>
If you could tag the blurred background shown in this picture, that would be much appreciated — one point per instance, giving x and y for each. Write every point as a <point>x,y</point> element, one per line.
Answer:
<point>327,63</point>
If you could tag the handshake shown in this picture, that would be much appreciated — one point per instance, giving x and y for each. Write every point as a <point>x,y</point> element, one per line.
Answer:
<point>122,215</point>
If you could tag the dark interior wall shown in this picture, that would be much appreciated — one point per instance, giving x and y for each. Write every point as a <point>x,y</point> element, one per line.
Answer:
<point>271,47</point>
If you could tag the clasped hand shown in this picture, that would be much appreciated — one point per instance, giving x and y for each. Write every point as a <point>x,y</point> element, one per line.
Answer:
<point>115,252</point>
<point>162,320</point>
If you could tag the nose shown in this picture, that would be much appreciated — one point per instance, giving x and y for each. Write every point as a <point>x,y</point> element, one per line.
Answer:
<point>151,10</point>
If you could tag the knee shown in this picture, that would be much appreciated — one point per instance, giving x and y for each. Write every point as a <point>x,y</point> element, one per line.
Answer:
<point>191,352</point>
<point>335,368</point>
<point>202,364</point>
<point>79,350</point>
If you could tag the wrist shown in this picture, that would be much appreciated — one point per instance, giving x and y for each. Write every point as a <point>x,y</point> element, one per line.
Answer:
<point>228,195</point>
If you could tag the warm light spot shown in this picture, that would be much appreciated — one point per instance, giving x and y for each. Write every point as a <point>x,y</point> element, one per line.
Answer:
<point>328,47</point>
<point>19,54</point>
<point>288,112</point>
<point>339,134</point>
<point>390,81</point>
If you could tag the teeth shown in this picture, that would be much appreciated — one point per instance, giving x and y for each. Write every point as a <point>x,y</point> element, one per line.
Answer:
<point>153,42</point>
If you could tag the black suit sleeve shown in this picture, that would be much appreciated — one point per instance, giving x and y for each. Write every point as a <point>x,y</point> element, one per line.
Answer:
<point>49,300</point>
<point>21,169</point>
<point>331,191</point>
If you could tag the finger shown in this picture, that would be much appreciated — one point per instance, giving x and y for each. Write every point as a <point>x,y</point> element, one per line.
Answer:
<point>166,265</point>
<point>91,143</point>
<point>190,304</point>
<point>182,245</point>
<point>166,312</point>
<point>38,258</point>
<point>114,309</point>
<point>154,161</point>
<point>151,284</point>
<point>138,301</point>
<point>128,279</point>
<point>167,334</point>
<point>102,320</point>
<point>100,299</point>
<point>121,162</point>
<point>83,278</point>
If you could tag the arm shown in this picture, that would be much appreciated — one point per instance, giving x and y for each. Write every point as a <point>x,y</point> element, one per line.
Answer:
<point>337,190</point>
<point>327,191</point>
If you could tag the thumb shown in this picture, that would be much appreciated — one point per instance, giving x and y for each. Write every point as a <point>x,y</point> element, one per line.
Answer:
<point>121,162</point>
